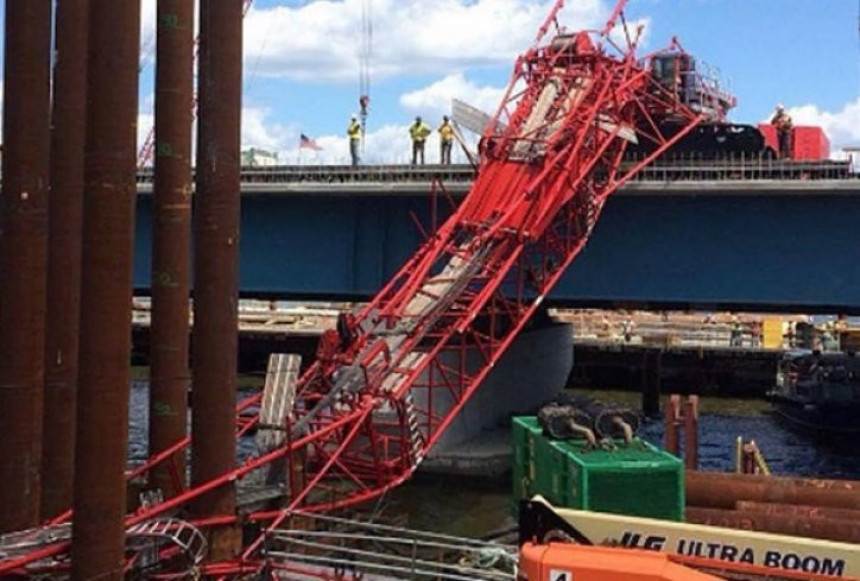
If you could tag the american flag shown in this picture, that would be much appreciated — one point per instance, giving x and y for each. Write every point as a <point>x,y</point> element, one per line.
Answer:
<point>306,142</point>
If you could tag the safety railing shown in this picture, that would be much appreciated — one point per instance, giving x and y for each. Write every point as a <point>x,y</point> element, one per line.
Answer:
<point>675,169</point>
<point>326,547</point>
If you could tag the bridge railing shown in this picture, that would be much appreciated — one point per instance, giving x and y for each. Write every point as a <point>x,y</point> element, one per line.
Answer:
<point>688,168</point>
<point>744,168</point>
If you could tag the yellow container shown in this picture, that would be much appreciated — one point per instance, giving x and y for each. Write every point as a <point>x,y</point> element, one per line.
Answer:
<point>772,333</point>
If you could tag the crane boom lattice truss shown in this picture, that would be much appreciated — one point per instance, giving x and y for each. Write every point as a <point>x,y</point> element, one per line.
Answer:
<point>396,374</point>
<point>392,377</point>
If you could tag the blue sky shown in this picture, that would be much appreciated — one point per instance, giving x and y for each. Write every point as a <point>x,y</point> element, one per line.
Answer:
<point>301,61</point>
<point>804,53</point>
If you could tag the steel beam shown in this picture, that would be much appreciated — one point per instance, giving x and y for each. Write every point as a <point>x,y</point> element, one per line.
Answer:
<point>216,262</point>
<point>64,254</point>
<point>171,239</point>
<point>23,254</point>
<point>106,291</point>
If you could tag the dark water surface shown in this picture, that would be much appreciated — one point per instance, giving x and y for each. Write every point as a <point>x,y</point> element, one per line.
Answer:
<point>466,506</point>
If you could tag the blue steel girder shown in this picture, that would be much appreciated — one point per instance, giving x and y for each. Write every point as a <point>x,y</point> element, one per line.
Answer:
<point>739,248</point>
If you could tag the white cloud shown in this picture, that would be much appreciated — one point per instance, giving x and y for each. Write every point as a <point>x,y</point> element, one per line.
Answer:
<point>435,99</point>
<point>147,33</point>
<point>320,40</point>
<point>389,144</point>
<point>257,131</point>
<point>842,127</point>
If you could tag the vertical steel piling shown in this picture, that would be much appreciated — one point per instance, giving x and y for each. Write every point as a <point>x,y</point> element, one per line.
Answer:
<point>23,258</point>
<point>671,417</point>
<point>216,244</point>
<point>171,241</point>
<point>106,290</point>
<point>691,432</point>
<point>64,254</point>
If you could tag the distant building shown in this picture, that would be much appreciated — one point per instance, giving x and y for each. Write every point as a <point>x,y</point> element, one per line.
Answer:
<point>255,157</point>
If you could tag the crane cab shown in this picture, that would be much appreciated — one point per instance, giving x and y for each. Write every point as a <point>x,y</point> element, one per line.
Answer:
<point>693,84</point>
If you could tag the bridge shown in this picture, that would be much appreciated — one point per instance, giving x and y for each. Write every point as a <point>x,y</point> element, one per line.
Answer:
<point>745,234</point>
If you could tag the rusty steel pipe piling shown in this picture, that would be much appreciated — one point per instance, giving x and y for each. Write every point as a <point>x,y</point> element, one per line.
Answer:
<point>64,255</point>
<point>171,241</point>
<point>797,510</point>
<point>98,547</point>
<point>216,263</point>
<point>691,432</point>
<point>24,258</point>
<point>846,531</point>
<point>718,490</point>
<point>671,419</point>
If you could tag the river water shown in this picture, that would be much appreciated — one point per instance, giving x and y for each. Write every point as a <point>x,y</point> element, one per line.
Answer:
<point>464,506</point>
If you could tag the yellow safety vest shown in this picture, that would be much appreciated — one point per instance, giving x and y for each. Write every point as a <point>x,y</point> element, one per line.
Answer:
<point>446,131</point>
<point>419,132</point>
<point>354,130</point>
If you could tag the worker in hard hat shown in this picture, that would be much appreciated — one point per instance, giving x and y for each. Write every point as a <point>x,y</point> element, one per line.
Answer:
<point>418,131</point>
<point>781,121</point>
<point>446,141</point>
<point>354,133</point>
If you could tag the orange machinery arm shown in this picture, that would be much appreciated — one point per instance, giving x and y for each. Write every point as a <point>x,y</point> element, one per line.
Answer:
<point>569,562</point>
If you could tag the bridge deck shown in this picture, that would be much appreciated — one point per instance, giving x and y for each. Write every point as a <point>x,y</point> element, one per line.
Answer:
<point>678,174</point>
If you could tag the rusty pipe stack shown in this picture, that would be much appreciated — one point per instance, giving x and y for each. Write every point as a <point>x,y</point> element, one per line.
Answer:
<point>825,509</point>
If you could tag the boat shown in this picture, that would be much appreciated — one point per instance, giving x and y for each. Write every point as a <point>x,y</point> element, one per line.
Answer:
<point>819,392</point>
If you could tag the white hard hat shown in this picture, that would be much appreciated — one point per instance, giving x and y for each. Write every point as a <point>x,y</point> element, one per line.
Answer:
<point>779,107</point>
<point>354,116</point>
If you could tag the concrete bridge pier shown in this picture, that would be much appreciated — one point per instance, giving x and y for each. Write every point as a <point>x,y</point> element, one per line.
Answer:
<point>533,370</point>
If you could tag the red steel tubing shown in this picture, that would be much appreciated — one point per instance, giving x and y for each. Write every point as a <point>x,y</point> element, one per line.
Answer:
<point>216,261</point>
<point>171,242</point>
<point>23,258</point>
<point>64,255</point>
<point>106,291</point>
<point>717,490</point>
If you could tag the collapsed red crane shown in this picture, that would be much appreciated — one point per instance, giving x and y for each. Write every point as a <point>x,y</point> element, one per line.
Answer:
<point>390,380</point>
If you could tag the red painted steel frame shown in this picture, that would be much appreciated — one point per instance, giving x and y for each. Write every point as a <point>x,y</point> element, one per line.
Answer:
<point>384,389</point>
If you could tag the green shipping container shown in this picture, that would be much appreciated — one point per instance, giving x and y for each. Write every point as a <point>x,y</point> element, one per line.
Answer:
<point>638,480</point>
<point>525,432</point>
